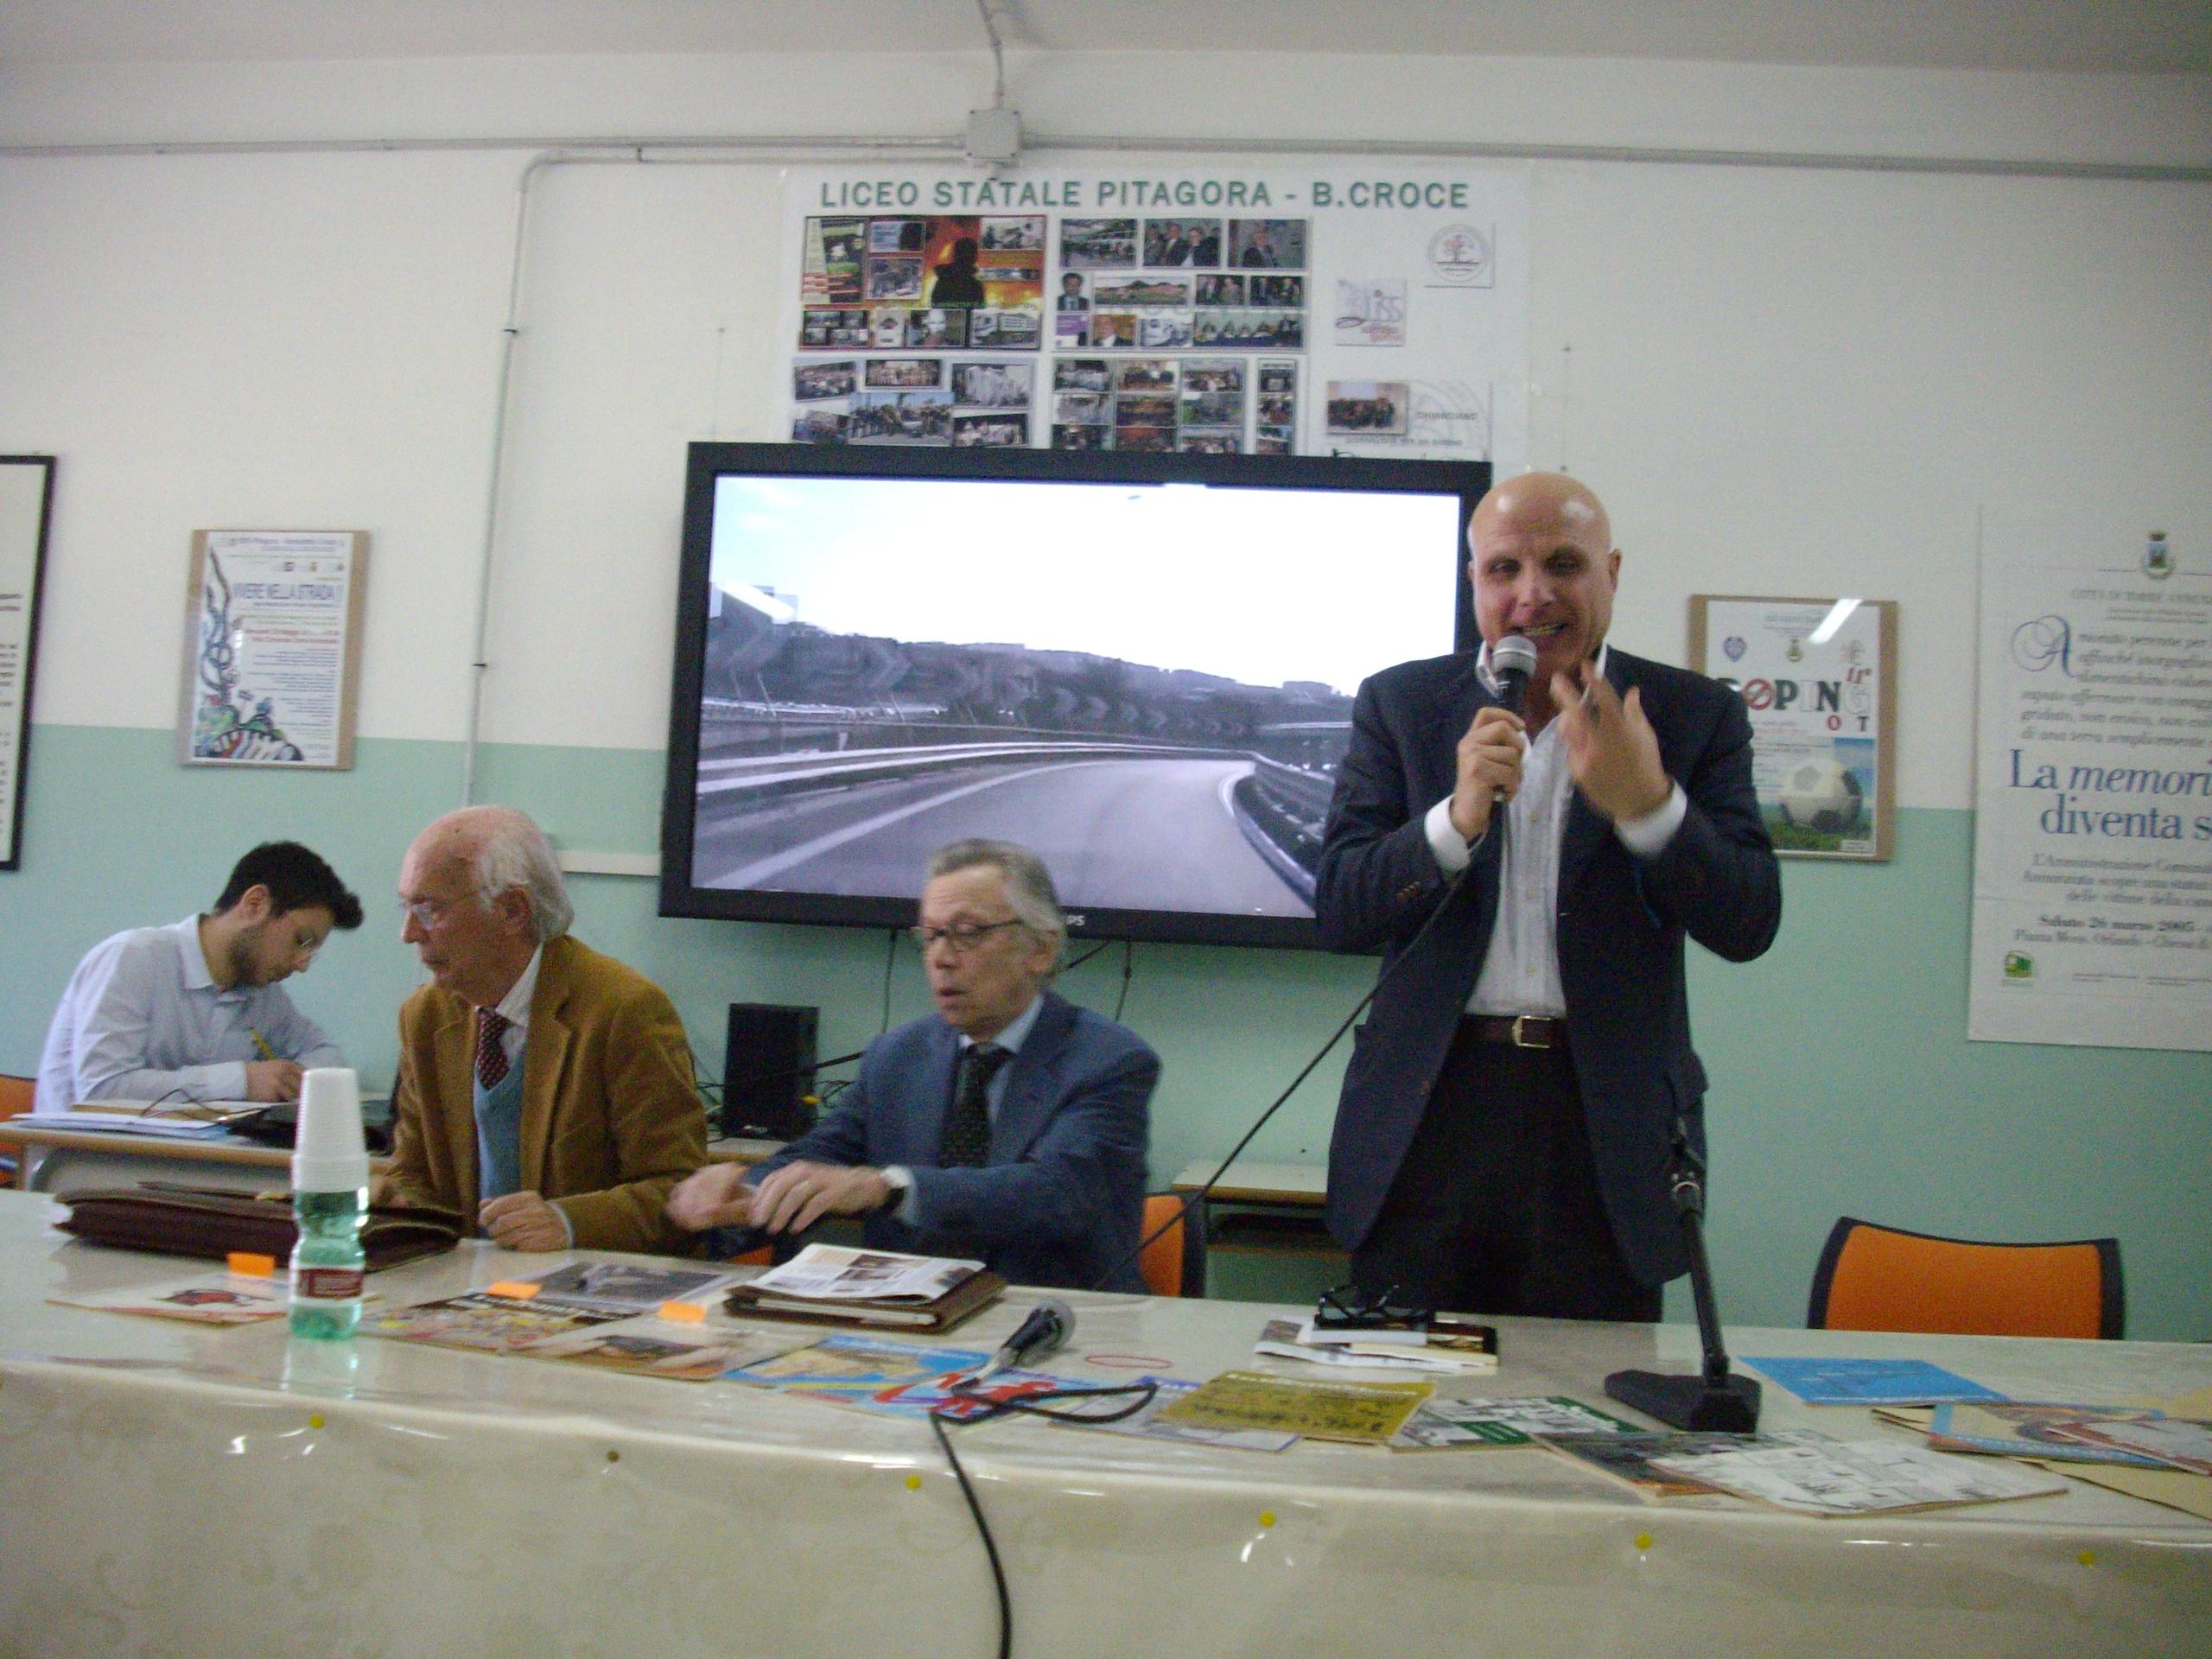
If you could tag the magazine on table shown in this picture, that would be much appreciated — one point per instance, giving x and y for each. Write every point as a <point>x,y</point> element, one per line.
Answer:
<point>858,1363</point>
<point>483,1322</point>
<point>623,1289</point>
<point>205,1299</point>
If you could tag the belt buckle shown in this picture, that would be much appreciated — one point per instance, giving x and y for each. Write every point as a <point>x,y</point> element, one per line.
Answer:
<point>1520,1020</point>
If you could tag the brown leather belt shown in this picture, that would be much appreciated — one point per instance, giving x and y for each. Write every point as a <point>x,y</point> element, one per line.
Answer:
<point>1521,1030</point>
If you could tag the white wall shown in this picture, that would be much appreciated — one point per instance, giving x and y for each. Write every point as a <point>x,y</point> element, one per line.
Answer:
<point>1784,380</point>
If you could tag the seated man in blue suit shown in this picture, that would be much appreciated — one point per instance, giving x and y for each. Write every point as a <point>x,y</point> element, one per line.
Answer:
<point>1009,1126</point>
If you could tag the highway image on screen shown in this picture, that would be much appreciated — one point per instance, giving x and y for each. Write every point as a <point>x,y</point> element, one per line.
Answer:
<point>1151,686</point>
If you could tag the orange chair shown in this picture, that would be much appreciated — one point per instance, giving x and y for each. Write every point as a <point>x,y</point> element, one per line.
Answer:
<point>1174,1264</point>
<point>14,1099</point>
<point>1875,1278</point>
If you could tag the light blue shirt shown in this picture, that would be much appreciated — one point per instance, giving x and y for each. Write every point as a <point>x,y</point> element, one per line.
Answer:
<point>143,1019</point>
<point>1011,1040</point>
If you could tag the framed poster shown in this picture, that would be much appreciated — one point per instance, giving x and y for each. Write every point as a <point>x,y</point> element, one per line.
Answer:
<point>26,505</point>
<point>272,655</point>
<point>2093,782</point>
<point>1819,676</point>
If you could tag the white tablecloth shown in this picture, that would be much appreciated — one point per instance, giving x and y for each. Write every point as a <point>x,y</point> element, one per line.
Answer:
<point>175,1489</point>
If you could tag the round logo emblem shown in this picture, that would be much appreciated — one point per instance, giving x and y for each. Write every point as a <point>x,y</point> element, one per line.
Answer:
<point>1461,255</point>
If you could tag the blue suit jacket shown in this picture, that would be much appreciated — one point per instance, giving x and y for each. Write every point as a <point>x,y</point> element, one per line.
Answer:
<point>1620,928</point>
<point>1062,1197</point>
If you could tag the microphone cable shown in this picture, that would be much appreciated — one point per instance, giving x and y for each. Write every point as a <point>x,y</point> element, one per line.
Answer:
<point>1034,1404</point>
<point>965,1408</point>
<point>1199,1193</point>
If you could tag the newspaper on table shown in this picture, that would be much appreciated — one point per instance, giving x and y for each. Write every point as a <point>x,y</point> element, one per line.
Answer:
<point>1813,1474</point>
<point>834,1273</point>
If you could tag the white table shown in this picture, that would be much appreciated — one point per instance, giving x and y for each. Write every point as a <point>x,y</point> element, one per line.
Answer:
<point>170,1488</point>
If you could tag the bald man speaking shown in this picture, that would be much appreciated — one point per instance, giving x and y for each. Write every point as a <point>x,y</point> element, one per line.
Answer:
<point>1502,1138</point>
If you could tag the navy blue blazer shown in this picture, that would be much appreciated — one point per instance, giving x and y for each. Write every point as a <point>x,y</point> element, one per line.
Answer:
<point>1062,1197</point>
<point>1621,924</point>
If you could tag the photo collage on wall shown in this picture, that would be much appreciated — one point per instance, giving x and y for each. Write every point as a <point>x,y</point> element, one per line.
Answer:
<point>1164,334</point>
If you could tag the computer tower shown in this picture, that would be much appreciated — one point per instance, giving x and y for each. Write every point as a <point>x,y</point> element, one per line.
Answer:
<point>768,1071</point>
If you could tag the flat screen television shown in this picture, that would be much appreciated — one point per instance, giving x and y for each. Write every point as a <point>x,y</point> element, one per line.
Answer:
<point>1140,666</point>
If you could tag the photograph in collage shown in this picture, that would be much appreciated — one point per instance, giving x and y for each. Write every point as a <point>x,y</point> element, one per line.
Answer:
<point>992,431</point>
<point>905,373</point>
<point>902,418</point>
<point>1098,244</point>
<point>812,382</point>
<point>1171,242</point>
<point>992,385</point>
<point>1266,243</point>
<point>1358,407</point>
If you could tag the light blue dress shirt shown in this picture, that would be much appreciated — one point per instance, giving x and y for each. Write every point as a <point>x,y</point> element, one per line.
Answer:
<point>143,1019</point>
<point>1011,1040</point>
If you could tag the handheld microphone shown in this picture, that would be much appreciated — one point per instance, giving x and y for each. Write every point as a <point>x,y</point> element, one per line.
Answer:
<point>1048,1327</point>
<point>1512,660</point>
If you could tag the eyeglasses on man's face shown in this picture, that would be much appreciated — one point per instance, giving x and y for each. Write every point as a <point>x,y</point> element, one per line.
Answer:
<point>958,938</point>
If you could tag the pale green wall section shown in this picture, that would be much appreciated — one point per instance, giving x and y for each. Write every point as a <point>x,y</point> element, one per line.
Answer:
<point>1842,1080</point>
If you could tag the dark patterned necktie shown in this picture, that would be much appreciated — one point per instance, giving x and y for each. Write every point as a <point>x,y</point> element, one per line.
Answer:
<point>967,1140</point>
<point>491,1053</point>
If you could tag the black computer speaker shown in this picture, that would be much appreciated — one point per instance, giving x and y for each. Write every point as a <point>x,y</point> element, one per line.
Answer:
<point>768,1071</point>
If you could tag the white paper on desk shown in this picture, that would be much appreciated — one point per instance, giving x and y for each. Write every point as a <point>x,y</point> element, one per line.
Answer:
<point>191,1120</point>
<point>1278,1340</point>
<point>832,1273</point>
<point>1813,1474</point>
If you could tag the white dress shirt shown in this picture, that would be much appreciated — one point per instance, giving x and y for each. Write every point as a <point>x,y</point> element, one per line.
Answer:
<point>143,1019</point>
<point>1520,972</point>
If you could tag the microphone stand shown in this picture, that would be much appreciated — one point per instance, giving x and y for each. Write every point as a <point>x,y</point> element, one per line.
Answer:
<point>1715,1401</point>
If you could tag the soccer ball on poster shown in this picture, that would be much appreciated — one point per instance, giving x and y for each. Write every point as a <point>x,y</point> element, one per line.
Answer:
<point>1822,797</point>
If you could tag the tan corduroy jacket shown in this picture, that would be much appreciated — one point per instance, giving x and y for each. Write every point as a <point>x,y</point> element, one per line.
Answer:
<point>610,1119</point>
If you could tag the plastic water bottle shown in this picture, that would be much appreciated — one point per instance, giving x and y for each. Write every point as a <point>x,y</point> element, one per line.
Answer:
<point>330,1200</point>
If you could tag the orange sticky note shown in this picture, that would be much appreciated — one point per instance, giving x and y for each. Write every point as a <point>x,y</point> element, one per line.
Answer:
<point>683,1313</point>
<point>521,1289</point>
<point>251,1264</point>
